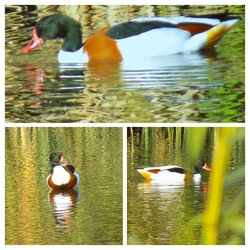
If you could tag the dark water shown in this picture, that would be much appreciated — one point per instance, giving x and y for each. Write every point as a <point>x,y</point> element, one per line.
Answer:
<point>192,88</point>
<point>89,215</point>
<point>171,214</point>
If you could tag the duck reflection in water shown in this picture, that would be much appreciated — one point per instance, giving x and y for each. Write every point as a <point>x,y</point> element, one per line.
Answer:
<point>63,181</point>
<point>66,79</point>
<point>63,202</point>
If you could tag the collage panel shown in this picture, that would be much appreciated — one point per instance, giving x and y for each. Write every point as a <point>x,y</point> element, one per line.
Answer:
<point>63,186</point>
<point>124,125</point>
<point>125,63</point>
<point>186,185</point>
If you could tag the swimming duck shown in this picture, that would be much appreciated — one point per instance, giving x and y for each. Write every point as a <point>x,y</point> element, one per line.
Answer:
<point>63,175</point>
<point>172,173</point>
<point>138,38</point>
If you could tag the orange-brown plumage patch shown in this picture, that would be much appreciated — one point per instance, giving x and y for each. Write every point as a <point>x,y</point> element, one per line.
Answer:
<point>101,47</point>
<point>50,183</point>
<point>154,171</point>
<point>72,181</point>
<point>194,28</point>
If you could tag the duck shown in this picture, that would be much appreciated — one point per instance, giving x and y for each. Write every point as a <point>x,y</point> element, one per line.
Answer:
<point>62,175</point>
<point>172,173</point>
<point>143,37</point>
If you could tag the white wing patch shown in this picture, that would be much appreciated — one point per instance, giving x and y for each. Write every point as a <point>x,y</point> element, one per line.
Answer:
<point>156,42</point>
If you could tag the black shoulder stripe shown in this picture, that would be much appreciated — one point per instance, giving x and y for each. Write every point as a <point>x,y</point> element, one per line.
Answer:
<point>221,16</point>
<point>177,170</point>
<point>71,168</point>
<point>132,28</point>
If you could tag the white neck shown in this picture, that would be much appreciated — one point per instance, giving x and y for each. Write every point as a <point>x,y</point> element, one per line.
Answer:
<point>78,56</point>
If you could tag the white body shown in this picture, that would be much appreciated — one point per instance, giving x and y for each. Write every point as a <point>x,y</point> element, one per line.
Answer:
<point>166,176</point>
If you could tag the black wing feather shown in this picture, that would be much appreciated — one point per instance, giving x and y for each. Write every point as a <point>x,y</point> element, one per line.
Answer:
<point>132,28</point>
<point>176,170</point>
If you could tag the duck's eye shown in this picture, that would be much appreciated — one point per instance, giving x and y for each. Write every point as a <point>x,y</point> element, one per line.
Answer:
<point>39,25</point>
